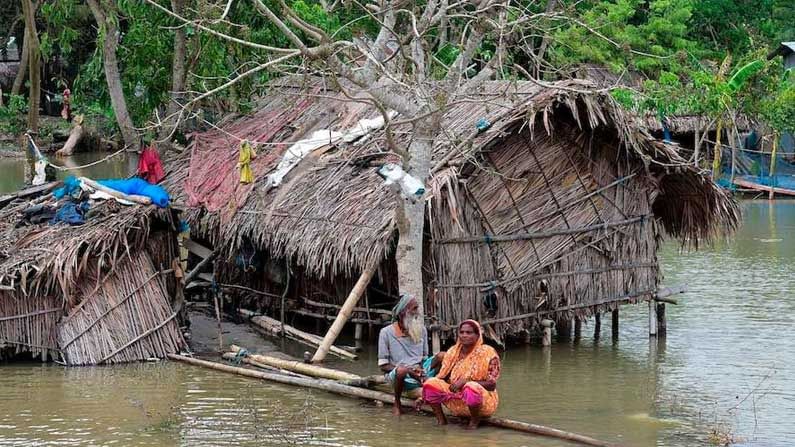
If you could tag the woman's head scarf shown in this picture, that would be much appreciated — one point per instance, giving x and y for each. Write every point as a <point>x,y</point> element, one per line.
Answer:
<point>451,357</point>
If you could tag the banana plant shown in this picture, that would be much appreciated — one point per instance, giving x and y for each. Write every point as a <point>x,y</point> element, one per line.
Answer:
<point>729,95</point>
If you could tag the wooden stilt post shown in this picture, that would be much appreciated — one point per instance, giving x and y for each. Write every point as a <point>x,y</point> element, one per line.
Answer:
<point>563,327</point>
<point>218,319</point>
<point>546,340</point>
<point>577,328</point>
<point>359,331</point>
<point>772,172</point>
<point>597,327</point>
<point>615,325</point>
<point>662,325</point>
<point>652,319</point>
<point>345,313</point>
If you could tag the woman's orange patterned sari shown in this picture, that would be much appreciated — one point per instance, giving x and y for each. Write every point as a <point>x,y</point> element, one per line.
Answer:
<point>483,363</point>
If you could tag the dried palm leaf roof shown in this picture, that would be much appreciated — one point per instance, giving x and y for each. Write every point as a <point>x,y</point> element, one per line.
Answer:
<point>332,214</point>
<point>44,259</point>
<point>692,123</point>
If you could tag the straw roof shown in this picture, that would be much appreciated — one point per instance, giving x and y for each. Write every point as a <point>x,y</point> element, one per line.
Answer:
<point>692,123</point>
<point>332,215</point>
<point>47,259</point>
<point>680,123</point>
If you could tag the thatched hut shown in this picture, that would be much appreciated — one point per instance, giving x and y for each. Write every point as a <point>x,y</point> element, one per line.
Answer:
<point>96,293</point>
<point>556,207</point>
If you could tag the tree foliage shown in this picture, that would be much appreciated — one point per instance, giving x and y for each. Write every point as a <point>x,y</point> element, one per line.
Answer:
<point>676,44</point>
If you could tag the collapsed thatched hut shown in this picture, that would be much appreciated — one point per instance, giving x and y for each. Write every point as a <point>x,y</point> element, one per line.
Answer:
<point>96,293</point>
<point>543,202</point>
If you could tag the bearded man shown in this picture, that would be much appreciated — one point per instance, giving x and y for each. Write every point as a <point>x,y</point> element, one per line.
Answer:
<point>403,350</point>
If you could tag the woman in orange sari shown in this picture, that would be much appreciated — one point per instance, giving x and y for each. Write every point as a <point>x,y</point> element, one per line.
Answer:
<point>467,381</point>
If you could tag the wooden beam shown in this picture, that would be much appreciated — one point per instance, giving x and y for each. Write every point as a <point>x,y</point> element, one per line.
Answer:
<point>201,265</point>
<point>345,313</point>
<point>273,326</point>
<point>197,248</point>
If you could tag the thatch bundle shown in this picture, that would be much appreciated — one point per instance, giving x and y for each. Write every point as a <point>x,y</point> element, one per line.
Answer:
<point>48,272</point>
<point>564,186</point>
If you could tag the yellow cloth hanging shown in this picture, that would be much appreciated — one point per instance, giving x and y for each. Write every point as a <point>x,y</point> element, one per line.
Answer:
<point>247,154</point>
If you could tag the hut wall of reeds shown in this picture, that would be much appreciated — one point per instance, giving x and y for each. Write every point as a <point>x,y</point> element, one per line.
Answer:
<point>555,210</point>
<point>551,238</point>
<point>89,294</point>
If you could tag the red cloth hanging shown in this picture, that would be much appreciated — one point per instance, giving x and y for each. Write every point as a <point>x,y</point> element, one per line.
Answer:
<point>149,166</point>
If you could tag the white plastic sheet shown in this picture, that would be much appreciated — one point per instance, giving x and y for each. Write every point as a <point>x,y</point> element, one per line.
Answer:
<point>318,139</point>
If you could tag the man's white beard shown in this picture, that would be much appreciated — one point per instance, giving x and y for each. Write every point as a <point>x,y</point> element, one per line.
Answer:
<point>414,325</point>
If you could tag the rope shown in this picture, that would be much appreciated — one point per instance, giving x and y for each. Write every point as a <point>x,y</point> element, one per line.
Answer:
<point>63,168</point>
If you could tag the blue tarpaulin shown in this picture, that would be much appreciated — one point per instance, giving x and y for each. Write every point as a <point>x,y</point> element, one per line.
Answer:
<point>139,187</point>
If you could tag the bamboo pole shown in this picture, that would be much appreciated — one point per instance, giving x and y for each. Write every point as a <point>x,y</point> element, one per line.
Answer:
<point>345,313</point>
<point>273,326</point>
<point>614,326</point>
<point>652,318</point>
<point>299,367</point>
<point>232,357</point>
<point>772,172</point>
<point>662,325</point>
<point>387,313</point>
<point>597,327</point>
<point>218,321</point>
<point>138,338</point>
<point>717,152</point>
<point>346,390</point>
<point>543,234</point>
<point>198,268</point>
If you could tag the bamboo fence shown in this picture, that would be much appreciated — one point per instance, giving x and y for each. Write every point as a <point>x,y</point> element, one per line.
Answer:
<point>126,318</point>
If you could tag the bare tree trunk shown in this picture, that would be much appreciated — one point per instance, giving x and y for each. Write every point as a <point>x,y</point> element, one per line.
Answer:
<point>19,80</point>
<point>113,77</point>
<point>34,64</point>
<point>177,73</point>
<point>410,216</point>
<point>696,147</point>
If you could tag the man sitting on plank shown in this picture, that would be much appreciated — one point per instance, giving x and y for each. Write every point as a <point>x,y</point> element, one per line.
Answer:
<point>403,349</point>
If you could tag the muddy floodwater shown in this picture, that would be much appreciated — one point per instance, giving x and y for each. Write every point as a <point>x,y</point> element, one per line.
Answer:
<point>12,169</point>
<point>726,366</point>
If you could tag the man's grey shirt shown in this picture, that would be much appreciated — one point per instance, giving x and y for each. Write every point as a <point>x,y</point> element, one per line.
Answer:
<point>400,351</point>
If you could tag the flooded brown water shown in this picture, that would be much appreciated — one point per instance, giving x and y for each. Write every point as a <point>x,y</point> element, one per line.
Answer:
<point>727,363</point>
<point>12,169</point>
